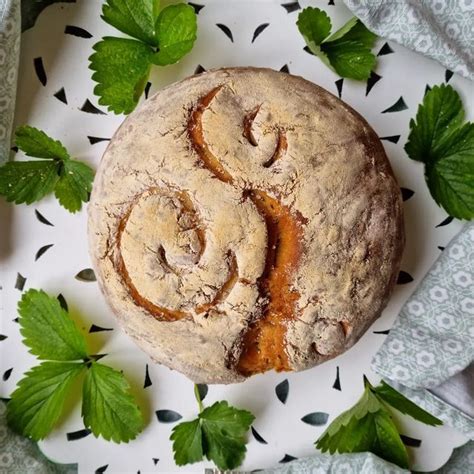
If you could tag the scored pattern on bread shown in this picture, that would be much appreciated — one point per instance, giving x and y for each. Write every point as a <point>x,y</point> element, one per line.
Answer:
<point>237,221</point>
<point>263,346</point>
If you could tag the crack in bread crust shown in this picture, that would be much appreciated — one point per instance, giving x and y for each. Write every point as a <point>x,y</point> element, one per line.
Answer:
<point>263,344</point>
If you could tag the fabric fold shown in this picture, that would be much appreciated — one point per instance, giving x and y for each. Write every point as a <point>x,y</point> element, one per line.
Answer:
<point>361,463</point>
<point>431,341</point>
<point>9,57</point>
<point>441,30</point>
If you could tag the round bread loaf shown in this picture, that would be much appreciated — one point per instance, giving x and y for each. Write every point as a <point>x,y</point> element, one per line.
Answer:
<point>244,220</point>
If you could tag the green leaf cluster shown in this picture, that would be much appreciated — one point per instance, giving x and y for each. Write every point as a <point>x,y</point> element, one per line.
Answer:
<point>368,425</point>
<point>108,408</point>
<point>441,139</point>
<point>122,65</point>
<point>56,171</point>
<point>347,51</point>
<point>218,433</point>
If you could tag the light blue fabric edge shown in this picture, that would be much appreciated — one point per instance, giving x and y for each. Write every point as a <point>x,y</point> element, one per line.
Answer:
<point>460,462</point>
<point>10,24</point>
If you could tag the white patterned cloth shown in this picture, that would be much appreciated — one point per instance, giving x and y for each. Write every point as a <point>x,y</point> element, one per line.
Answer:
<point>432,339</point>
<point>440,29</point>
<point>9,55</point>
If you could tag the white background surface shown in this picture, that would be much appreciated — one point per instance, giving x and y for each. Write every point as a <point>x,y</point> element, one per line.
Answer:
<point>65,60</point>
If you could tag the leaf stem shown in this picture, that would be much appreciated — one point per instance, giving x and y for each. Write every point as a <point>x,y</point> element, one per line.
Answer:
<point>198,398</point>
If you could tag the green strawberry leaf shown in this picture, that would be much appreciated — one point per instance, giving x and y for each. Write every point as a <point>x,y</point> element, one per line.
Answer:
<point>133,18</point>
<point>48,330</point>
<point>219,433</point>
<point>108,408</point>
<point>38,401</point>
<point>225,428</point>
<point>187,442</point>
<point>28,181</point>
<point>121,69</point>
<point>439,114</point>
<point>74,185</point>
<point>176,28</point>
<point>36,143</point>
<point>367,426</point>
<point>349,59</point>
<point>403,405</point>
<point>439,139</point>
<point>314,24</point>
<point>347,51</point>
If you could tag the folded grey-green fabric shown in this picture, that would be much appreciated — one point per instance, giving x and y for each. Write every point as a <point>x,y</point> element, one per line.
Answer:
<point>431,343</point>
<point>9,55</point>
<point>360,463</point>
<point>460,462</point>
<point>441,30</point>
<point>19,455</point>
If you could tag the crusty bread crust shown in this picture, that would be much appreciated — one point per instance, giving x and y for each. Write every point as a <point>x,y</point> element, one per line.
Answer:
<point>244,220</point>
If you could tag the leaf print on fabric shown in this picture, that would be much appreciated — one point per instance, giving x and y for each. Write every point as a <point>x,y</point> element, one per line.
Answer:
<point>226,31</point>
<point>61,95</point>
<point>315,419</point>
<point>86,275</point>
<point>168,416</point>
<point>281,391</point>
<point>398,106</point>
<point>463,279</point>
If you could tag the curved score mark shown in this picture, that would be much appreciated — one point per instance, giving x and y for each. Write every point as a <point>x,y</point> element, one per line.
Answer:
<point>161,253</point>
<point>282,143</point>
<point>263,345</point>
<point>248,122</point>
<point>196,137</point>
<point>160,312</point>
<point>280,150</point>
